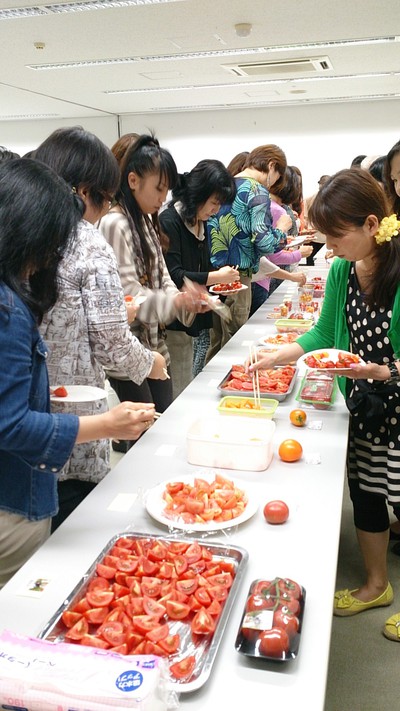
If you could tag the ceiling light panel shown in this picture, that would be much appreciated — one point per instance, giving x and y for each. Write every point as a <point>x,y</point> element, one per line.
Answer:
<point>81,65</point>
<point>104,5</point>
<point>19,12</point>
<point>272,104</point>
<point>269,82</point>
<point>245,51</point>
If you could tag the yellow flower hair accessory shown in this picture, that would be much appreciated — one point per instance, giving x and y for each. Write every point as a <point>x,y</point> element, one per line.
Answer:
<point>388,227</point>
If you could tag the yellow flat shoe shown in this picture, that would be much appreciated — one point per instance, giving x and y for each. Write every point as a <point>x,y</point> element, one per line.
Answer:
<point>345,604</point>
<point>391,628</point>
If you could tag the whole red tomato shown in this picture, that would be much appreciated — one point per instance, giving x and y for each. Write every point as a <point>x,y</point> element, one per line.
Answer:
<point>274,643</point>
<point>260,602</point>
<point>290,450</point>
<point>287,621</point>
<point>276,512</point>
<point>290,587</point>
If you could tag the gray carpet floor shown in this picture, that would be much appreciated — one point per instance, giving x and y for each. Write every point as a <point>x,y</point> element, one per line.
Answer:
<point>364,666</point>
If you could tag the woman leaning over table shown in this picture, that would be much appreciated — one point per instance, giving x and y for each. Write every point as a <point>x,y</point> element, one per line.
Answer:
<point>39,216</point>
<point>198,195</point>
<point>87,329</point>
<point>361,312</point>
<point>242,232</point>
<point>132,229</point>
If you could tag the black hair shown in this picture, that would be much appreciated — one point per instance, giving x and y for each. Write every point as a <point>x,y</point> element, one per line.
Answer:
<point>346,200</point>
<point>83,160</point>
<point>6,154</point>
<point>356,162</point>
<point>377,167</point>
<point>207,178</point>
<point>145,157</point>
<point>290,191</point>
<point>38,217</point>
<point>389,184</point>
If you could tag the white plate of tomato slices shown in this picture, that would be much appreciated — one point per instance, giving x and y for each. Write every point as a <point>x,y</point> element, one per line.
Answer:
<point>330,360</point>
<point>225,289</point>
<point>175,502</point>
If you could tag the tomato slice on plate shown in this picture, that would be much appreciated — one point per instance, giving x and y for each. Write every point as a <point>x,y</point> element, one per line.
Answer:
<point>61,391</point>
<point>184,668</point>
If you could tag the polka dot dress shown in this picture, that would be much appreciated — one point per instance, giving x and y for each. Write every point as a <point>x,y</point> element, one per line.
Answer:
<point>374,444</point>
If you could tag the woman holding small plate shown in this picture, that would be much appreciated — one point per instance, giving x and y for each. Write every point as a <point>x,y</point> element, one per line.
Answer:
<point>87,329</point>
<point>39,217</point>
<point>361,313</point>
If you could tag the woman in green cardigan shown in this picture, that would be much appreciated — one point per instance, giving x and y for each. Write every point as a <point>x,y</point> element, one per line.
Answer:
<point>361,313</point>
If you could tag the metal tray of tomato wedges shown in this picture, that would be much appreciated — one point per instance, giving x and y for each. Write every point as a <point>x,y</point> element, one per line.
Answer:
<point>224,387</point>
<point>160,555</point>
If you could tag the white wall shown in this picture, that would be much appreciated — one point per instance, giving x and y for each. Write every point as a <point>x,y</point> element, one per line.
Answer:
<point>24,136</point>
<point>319,139</point>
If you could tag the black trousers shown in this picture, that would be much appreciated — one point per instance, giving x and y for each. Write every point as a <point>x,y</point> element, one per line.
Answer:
<point>70,494</point>
<point>157,391</point>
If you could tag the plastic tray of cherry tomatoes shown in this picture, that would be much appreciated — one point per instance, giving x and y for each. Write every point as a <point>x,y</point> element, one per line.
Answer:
<point>271,623</point>
<point>148,594</point>
<point>276,383</point>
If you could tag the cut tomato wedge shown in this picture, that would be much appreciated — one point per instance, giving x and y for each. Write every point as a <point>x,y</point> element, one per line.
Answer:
<point>184,668</point>
<point>177,610</point>
<point>203,622</point>
<point>99,597</point>
<point>112,632</point>
<point>79,630</point>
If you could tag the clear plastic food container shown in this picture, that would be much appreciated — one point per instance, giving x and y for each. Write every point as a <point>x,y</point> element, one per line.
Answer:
<point>231,443</point>
<point>318,389</point>
<point>272,619</point>
<point>292,325</point>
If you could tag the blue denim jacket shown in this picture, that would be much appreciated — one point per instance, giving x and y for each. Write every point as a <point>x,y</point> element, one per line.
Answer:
<point>34,444</point>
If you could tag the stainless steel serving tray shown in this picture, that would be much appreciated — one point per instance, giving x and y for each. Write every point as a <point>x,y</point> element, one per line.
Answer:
<point>206,650</point>
<point>250,393</point>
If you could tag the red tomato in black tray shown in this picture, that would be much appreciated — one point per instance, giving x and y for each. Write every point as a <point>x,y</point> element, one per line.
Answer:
<point>271,622</point>
<point>274,643</point>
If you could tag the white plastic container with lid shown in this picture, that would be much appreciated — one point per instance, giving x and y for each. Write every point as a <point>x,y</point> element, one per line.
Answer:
<point>231,443</point>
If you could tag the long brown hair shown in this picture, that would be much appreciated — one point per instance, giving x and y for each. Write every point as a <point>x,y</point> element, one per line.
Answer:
<point>346,200</point>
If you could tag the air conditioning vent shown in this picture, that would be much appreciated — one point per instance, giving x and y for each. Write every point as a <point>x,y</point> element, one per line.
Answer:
<point>292,67</point>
